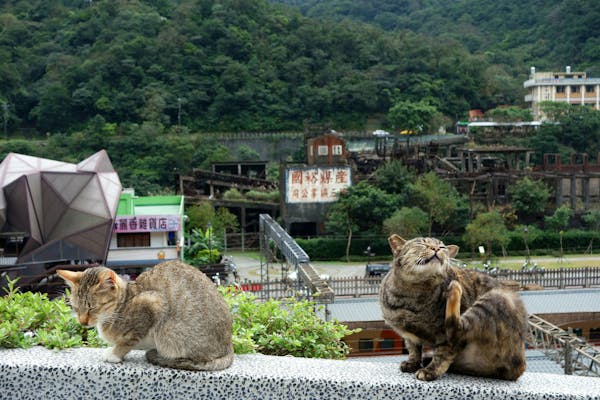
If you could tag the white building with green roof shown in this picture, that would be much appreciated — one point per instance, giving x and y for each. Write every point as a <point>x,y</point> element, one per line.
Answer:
<point>147,230</point>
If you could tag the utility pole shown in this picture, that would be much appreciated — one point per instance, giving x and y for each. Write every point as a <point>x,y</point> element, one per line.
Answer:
<point>5,108</point>
<point>179,115</point>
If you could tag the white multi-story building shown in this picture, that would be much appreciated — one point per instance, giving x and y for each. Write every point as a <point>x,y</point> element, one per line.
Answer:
<point>567,86</point>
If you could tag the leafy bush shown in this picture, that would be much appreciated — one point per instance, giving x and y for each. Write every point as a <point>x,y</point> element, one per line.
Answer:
<point>272,197</point>
<point>283,328</point>
<point>30,319</point>
<point>233,194</point>
<point>271,327</point>
<point>205,247</point>
<point>323,248</point>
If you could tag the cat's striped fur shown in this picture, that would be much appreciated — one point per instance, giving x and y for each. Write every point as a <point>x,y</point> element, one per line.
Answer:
<point>174,311</point>
<point>473,324</point>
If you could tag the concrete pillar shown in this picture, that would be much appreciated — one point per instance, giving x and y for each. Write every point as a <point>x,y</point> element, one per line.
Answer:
<point>559,195</point>
<point>573,192</point>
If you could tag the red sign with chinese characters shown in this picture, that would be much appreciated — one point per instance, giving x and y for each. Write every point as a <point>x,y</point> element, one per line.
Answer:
<point>316,185</point>
<point>146,223</point>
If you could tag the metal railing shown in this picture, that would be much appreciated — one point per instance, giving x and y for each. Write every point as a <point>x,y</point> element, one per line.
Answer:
<point>357,286</point>
<point>571,352</point>
<point>307,276</point>
<point>559,278</point>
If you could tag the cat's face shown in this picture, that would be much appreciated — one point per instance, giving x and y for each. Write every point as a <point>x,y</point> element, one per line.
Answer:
<point>422,256</point>
<point>94,293</point>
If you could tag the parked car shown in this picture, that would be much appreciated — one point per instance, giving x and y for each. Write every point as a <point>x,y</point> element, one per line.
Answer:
<point>376,269</point>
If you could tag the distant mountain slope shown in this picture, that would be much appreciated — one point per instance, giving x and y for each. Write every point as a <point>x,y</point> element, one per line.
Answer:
<point>213,65</point>
<point>549,34</point>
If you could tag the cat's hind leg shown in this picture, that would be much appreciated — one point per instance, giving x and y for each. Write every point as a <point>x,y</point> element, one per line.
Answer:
<point>187,363</point>
<point>443,356</point>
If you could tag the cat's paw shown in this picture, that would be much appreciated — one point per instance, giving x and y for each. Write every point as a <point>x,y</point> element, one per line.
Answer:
<point>410,366</point>
<point>111,357</point>
<point>425,374</point>
<point>455,289</point>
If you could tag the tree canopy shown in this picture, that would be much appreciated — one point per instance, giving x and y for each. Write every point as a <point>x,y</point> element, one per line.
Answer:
<point>529,196</point>
<point>231,65</point>
<point>487,228</point>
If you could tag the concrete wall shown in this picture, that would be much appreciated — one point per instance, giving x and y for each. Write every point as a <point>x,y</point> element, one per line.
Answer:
<point>80,374</point>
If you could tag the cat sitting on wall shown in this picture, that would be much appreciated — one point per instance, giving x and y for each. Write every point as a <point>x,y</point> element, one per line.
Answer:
<point>473,324</point>
<point>173,311</point>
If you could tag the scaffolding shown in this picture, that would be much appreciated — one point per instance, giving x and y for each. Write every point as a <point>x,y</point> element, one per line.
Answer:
<point>571,352</point>
<point>309,283</point>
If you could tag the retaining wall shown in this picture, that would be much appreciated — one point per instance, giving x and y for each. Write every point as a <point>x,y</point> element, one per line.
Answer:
<point>80,374</point>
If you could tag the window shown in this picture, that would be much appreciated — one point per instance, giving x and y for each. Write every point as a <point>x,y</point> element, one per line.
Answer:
<point>594,334</point>
<point>560,89</point>
<point>140,239</point>
<point>574,89</point>
<point>336,150</point>
<point>386,344</point>
<point>589,89</point>
<point>365,344</point>
<point>323,150</point>
<point>501,189</point>
<point>172,238</point>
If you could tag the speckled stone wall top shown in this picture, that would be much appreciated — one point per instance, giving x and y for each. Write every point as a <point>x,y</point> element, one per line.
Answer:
<point>80,374</point>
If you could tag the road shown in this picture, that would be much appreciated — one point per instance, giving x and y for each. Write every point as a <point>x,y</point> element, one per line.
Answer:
<point>249,268</point>
<point>249,265</point>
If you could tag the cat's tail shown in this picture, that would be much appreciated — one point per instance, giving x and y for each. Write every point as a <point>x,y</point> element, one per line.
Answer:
<point>189,364</point>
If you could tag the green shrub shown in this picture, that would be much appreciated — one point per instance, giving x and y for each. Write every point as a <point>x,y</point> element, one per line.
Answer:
<point>325,248</point>
<point>256,195</point>
<point>30,319</point>
<point>283,328</point>
<point>233,194</point>
<point>273,327</point>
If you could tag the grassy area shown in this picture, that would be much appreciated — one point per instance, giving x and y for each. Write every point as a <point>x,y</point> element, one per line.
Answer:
<point>547,262</point>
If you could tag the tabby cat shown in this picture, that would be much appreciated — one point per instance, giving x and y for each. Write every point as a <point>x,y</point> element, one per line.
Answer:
<point>472,323</point>
<point>173,311</point>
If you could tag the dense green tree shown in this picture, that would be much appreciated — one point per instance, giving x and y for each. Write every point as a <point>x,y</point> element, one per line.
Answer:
<point>246,153</point>
<point>437,198</point>
<point>407,222</point>
<point>394,177</point>
<point>203,215</point>
<point>592,220</point>
<point>360,208</point>
<point>510,114</point>
<point>411,116</point>
<point>487,228</point>
<point>529,196</point>
<point>210,152</point>
<point>559,220</point>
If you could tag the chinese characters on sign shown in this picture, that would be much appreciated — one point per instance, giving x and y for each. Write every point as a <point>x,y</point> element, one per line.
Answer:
<point>316,185</point>
<point>146,223</point>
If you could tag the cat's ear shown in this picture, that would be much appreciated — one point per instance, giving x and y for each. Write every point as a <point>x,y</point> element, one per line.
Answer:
<point>452,250</point>
<point>396,242</point>
<point>108,279</point>
<point>70,277</point>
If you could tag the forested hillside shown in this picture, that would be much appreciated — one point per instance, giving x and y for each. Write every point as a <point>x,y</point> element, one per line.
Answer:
<point>147,79</point>
<point>222,65</point>
<point>547,34</point>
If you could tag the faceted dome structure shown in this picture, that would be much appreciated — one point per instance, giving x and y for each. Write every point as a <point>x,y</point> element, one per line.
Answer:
<point>60,211</point>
